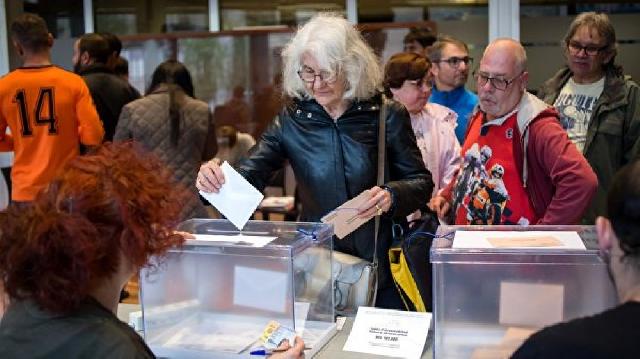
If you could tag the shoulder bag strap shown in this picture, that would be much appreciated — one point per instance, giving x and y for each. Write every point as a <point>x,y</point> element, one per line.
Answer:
<point>380,181</point>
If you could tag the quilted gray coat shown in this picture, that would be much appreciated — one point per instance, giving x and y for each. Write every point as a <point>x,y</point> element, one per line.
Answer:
<point>147,121</point>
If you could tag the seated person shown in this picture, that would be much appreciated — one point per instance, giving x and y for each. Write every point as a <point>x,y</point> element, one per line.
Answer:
<point>233,145</point>
<point>64,259</point>
<point>613,333</point>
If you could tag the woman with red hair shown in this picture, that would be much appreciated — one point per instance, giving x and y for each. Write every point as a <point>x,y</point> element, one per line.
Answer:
<point>64,259</point>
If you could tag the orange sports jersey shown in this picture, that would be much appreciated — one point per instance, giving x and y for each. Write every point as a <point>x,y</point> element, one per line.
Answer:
<point>50,112</point>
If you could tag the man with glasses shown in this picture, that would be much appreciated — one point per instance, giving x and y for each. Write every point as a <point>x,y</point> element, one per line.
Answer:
<point>599,108</point>
<point>451,64</point>
<point>544,178</point>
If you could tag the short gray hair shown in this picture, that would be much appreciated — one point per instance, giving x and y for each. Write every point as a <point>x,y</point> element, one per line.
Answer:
<point>338,47</point>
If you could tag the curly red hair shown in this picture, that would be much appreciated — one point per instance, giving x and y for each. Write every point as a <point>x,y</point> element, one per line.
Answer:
<point>116,200</point>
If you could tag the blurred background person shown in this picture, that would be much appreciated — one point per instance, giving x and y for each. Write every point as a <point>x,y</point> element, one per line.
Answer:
<point>599,106</point>
<point>233,145</point>
<point>615,332</point>
<point>91,52</point>
<point>173,124</point>
<point>66,116</point>
<point>418,40</point>
<point>328,133</point>
<point>121,68</point>
<point>407,79</point>
<point>451,65</point>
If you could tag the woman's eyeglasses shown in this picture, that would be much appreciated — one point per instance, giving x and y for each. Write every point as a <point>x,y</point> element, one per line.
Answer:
<point>425,81</point>
<point>309,76</point>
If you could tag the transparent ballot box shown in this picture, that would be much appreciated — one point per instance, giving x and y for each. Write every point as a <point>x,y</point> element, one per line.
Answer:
<point>213,297</point>
<point>489,296</point>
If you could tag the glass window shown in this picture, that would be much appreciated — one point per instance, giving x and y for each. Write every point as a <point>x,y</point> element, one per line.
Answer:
<point>126,17</point>
<point>467,21</point>
<point>236,14</point>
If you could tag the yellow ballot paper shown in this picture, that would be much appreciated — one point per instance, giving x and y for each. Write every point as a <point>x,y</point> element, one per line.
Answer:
<point>532,241</point>
<point>345,218</point>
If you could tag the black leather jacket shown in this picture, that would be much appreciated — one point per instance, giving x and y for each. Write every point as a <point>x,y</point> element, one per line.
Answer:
<point>335,161</point>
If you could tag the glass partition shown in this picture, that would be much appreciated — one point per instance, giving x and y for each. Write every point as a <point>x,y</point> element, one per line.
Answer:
<point>127,17</point>
<point>236,14</point>
<point>238,73</point>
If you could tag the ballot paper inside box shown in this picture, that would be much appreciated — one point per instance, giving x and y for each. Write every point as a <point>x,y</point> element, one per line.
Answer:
<point>213,298</point>
<point>488,299</point>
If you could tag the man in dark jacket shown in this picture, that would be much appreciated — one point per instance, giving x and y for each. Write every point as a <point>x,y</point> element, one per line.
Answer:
<point>519,166</point>
<point>109,92</point>
<point>599,107</point>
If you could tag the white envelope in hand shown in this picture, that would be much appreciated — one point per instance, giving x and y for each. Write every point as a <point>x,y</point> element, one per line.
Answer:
<point>237,199</point>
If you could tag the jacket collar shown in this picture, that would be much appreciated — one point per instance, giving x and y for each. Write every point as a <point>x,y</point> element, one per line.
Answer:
<point>613,95</point>
<point>309,107</point>
<point>94,69</point>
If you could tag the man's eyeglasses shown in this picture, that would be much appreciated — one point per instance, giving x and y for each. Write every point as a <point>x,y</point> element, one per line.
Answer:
<point>497,82</point>
<point>309,76</point>
<point>456,61</point>
<point>575,48</point>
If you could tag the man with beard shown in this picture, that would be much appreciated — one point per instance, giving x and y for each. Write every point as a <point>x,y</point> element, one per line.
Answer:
<point>48,110</point>
<point>110,93</point>
<point>451,63</point>
<point>599,106</point>
<point>615,332</point>
<point>548,180</point>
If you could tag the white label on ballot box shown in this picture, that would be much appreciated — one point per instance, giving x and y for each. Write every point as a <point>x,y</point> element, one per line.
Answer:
<point>531,304</point>
<point>518,239</point>
<point>259,288</point>
<point>389,332</point>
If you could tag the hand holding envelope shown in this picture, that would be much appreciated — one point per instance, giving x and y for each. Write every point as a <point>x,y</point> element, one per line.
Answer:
<point>355,212</point>
<point>236,200</point>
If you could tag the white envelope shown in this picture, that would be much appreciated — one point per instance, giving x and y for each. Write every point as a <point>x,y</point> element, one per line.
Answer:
<point>237,199</point>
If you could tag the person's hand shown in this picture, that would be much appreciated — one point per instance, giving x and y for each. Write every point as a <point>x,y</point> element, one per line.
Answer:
<point>185,235</point>
<point>378,203</point>
<point>285,351</point>
<point>210,177</point>
<point>440,205</point>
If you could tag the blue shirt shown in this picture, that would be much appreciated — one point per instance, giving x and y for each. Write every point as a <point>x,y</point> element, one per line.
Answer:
<point>460,100</point>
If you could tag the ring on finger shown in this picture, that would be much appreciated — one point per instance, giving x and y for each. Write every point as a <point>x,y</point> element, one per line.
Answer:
<point>379,209</point>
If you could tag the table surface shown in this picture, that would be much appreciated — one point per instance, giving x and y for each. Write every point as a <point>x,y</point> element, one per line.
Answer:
<point>333,349</point>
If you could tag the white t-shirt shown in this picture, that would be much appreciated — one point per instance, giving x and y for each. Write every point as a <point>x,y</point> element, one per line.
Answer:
<point>575,105</point>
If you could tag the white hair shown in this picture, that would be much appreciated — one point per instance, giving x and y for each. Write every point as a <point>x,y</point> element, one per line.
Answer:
<point>337,46</point>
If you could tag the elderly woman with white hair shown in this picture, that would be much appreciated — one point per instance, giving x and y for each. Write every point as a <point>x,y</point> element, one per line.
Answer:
<point>329,134</point>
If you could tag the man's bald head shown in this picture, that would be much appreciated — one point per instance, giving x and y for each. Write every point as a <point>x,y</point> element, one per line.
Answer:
<point>502,77</point>
<point>511,50</point>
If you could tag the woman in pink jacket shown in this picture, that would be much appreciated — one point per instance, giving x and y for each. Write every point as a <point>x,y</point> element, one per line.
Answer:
<point>407,79</point>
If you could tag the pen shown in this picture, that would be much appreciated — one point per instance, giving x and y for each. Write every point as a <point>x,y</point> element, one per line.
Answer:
<point>265,352</point>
